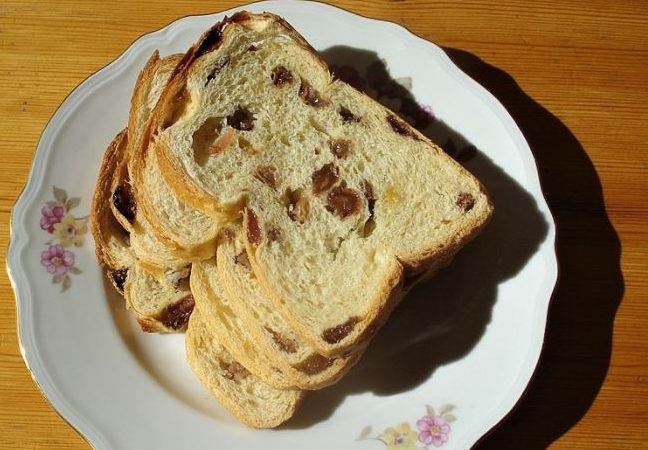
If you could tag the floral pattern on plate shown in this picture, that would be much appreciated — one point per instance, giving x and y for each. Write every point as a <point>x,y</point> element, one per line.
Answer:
<point>66,231</point>
<point>433,429</point>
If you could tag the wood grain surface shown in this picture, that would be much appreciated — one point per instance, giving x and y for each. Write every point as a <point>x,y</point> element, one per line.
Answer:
<point>574,75</point>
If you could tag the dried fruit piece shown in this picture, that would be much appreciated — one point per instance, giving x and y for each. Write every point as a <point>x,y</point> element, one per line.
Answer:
<point>246,146</point>
<point>401,127</point>
<point>242,119</point>
<point>298,206</point>
<point>324,178</point>
<point>285,344</point>
<point>254,234</point>
<point>235,372</point>
<point>267,175</point>
<point>348,116</point>
<point>177,315</point>
<point>119,278</point>
<point>212,39</point>
<point>147,325</point>
<point>227,234</point>
<point>217,69</point>
<point>340,147</point>
<point>310,96</point>
<point>274,234</point>
<point>367,190</point>
<point>465,201</point>
<point>314,364</point>
<point>281,75</point>
<point>242,260</point>
<point>336,334</point>
<point>370,224</point>
<point>125,202</point>
<point>343,201</point>
<point>222,142</point>
<point>206,134</point>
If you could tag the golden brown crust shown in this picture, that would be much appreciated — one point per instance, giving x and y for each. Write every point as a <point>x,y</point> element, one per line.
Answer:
<point>120,179</point>
<point>100,211</point>
<point>139,102</point>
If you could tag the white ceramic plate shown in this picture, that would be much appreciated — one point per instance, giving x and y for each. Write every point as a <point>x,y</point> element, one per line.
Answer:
<point>451,363</point>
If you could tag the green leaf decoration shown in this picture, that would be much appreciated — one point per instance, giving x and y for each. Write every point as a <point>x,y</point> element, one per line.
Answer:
<point>67,282</point>
<point>53,203</point>
<point>72,202</point>
<point>449,417</point>
<point>56,279</point>
<point>446,409</point>
<point>430,411</point>
<point>75,270</point>
<point>366,431</point>
<point>60,195</point>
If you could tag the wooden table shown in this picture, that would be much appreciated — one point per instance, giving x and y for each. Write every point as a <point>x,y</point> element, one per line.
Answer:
<point>574,75</point>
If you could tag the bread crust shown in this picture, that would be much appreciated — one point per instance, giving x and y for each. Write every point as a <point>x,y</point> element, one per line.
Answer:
<point>100,207</point>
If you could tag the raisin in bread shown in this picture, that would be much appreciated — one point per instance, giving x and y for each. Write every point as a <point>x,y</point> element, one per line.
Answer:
<point>189,234</point>
<point>340,196</point>
<point>158,307</point>
<point>249,399</point>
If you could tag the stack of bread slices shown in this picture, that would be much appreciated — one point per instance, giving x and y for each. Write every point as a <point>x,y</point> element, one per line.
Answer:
<point>276,214</point>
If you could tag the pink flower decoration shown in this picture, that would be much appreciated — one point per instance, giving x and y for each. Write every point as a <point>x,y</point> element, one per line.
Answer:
<point>57,260</point>
<point>433,430</point>
<point>51,216</point>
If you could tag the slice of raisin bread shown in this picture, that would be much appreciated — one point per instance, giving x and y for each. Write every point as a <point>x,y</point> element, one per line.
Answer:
<point>188,233</point>
<point>272,335</point>
<point>341,196</point>
<point>158,307</point>
<point>245,396</point>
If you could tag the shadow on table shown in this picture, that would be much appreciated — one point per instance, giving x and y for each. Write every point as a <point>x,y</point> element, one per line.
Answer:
<point>590,287</point>
<point>444,318</point>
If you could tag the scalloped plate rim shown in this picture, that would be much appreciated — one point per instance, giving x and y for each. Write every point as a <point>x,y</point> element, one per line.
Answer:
<point>18,238</point>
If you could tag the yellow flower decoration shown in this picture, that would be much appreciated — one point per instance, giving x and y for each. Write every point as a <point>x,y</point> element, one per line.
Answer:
<point>70,231</point>
<point>401,437</point>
